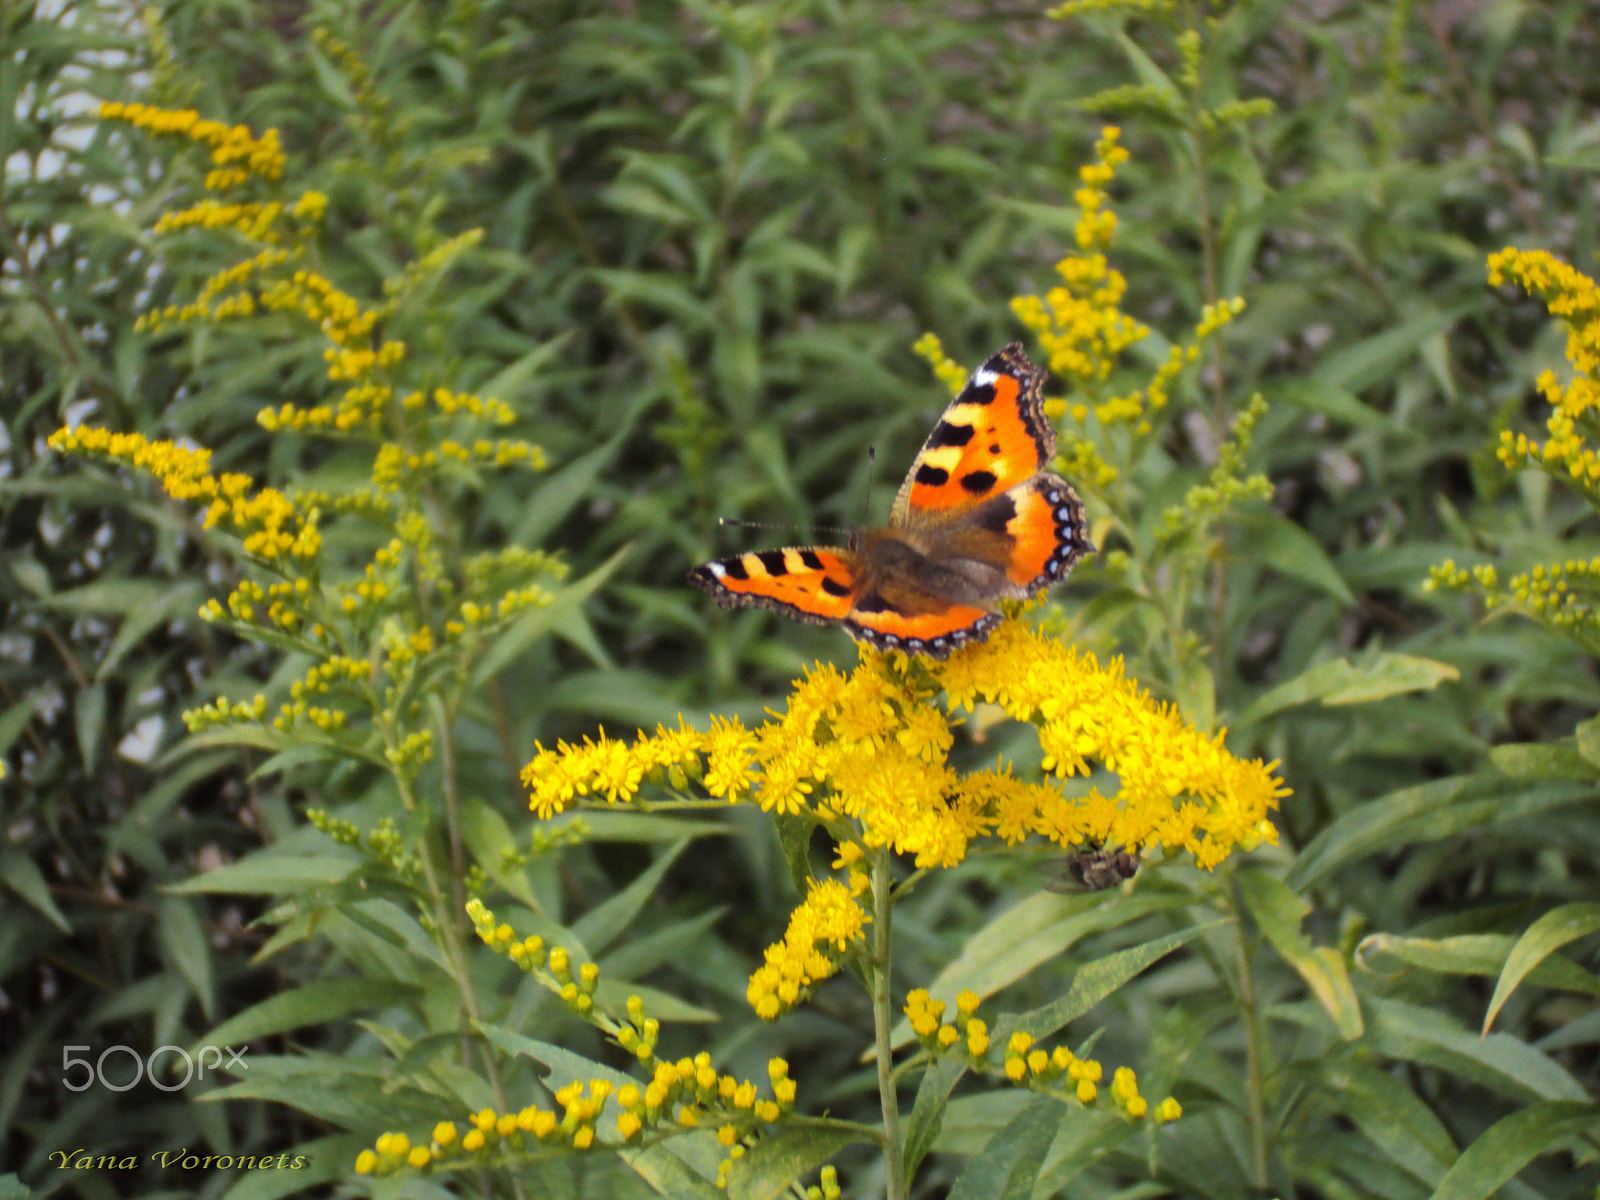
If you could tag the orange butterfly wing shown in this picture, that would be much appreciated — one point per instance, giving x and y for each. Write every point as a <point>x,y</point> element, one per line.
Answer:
<point>817,584</point>
<point>975,521</point>
<point>993,436</point>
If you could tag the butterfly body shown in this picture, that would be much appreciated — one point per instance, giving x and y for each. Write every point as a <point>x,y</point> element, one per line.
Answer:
<point>976,521</point>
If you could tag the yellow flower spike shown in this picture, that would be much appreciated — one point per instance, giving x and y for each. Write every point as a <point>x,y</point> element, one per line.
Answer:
<point>366,1162</point>
<point>419,1157</point>
<point>473,1141</point>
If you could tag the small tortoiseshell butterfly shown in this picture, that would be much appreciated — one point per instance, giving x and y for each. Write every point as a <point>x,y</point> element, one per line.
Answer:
<point>976,521</point>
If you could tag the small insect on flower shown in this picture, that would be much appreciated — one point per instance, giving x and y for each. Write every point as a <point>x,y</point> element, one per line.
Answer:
<point>1092,868</point>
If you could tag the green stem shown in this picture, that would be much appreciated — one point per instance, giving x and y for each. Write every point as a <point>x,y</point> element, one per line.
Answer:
<point>883,907</point>
<point>1255,1055</point>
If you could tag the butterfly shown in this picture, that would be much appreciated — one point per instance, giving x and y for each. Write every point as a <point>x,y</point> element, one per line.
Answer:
<point>976,521</point>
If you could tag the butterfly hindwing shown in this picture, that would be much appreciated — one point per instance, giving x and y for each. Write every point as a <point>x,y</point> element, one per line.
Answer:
<point>1048,532</point>
<point>818,584</point>
<point>993,436</point>
<point>893,616</point>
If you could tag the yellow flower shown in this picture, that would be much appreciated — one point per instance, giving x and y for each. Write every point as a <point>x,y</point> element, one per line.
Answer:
<point>829,919</point>
<point>871,749</point>
<point>1574,298</point>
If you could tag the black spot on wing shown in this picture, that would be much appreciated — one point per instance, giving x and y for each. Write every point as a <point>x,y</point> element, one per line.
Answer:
<point>947,434</point>
<point>774,562</point>
<point>872,602</point>
<point>996,516</point>
<point>977,393</point>
<point>979,482</point>
<point>833,587</point>
<point>809,557</point>
<point>932,476</point>
<point>734,568</point>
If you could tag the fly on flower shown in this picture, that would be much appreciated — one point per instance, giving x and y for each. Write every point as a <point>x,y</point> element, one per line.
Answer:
<point>1093,868</point>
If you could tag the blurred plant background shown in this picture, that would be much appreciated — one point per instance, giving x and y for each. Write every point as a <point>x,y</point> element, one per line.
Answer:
<point>712,234</point>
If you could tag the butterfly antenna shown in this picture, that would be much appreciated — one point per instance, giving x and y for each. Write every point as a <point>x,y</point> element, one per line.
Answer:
<point>774,525</point>
<point>866,500</point>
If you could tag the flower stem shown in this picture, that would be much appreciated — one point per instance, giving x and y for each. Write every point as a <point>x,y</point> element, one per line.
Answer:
<point>882,908</point>
<point>1255,1053</point>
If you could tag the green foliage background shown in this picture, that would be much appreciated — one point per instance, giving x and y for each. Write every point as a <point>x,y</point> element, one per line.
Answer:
<point>712,234</point>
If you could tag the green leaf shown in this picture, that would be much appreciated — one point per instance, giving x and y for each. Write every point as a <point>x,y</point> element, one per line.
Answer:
<point>1381,355</point>
<point>183,598</point>
<point>534,624</point>
<point>1510,1144</point>
<point>565,489</point>
<point>1505,1064</point>
<point>1427,812</point>
<point>1343,682</point>
<point>794,839</point>
<point>89,711</point>
<point>1277,542</point>
<point>1482,954</point>
<point>22,875</point>
<point>1541,760</point>
<point>604,826</point>
<point>1587,738</point>
<point>613,994</point>
<point>271,873</point>
<point>313,1004</point>
<point>1398,1123</point>
<point>186,948</point>
<point>1036,931</point>
<point>1551,931</point>
<point>1279,912</point>
<point>1342,405</point>
<point>600,926</point>
<point>1093,982</point>
<point>782,1157</point>
<point>927,1113</point>
<point>1010,1163</point>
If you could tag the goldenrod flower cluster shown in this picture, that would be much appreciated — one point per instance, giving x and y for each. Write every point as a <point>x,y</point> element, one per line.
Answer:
<point>683,1095</point>
<point>827,924</point>
<point>867,754</point>
<point>235,152</point>
<point>1079,324</point>
<point>688,1094</point>
<point>266,520</point>
<point>220,712</point>
<point>872,747</point>
<point>1084,330</point>
<point>1080,8</point>
<point>951,373</point>
<point>1561,595</point>
<point>1056,1072</point>
<point>1574,298</point>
